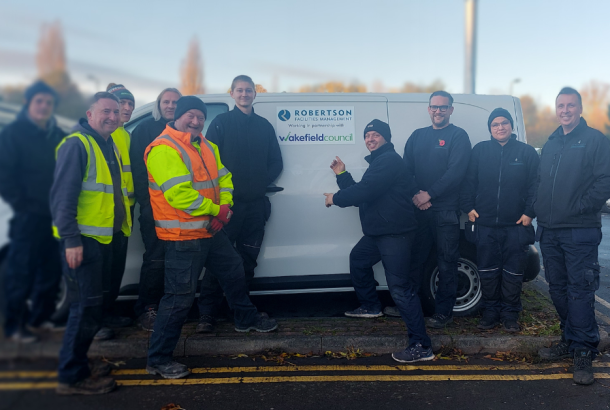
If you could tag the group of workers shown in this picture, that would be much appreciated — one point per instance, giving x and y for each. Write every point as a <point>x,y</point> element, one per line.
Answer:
<point>203,204</point>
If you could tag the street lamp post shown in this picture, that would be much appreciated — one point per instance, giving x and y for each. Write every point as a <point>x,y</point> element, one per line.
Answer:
<point>510,87</point>
<point>471,46</point>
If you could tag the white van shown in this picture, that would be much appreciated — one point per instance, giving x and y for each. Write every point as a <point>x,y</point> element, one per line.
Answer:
<point>307,245</point>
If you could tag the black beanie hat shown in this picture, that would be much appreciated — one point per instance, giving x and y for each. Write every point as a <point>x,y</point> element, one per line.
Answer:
<point>189,102</point>
<point>381,127</point>
<point>40,87</point>
<point>499,112</point>
<point>120,92</point>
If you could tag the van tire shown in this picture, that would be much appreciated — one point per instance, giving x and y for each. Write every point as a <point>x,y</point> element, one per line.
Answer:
<point>469,289</point>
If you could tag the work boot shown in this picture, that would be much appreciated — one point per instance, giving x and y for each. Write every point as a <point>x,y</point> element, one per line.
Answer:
<point>104,333</point>
<point>147,319</point>
<point>391,311</point>
<point>114,321</point>
<point>363,312</point>
<point>557,351</point>
<point>511,326</point>
<point>171,370</point>
<point>100,369</point>
<point>88,386</point>
<point>488,321</point>
<point>263,324</point>
<point>583,367</point>
<point>413,354</point>
<point>438,321</point>
<point>206,324</point>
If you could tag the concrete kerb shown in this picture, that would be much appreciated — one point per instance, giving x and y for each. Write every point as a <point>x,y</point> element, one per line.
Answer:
<point>196,345</point>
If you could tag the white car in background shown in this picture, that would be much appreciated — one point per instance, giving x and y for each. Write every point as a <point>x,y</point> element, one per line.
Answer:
<point>307,246</point>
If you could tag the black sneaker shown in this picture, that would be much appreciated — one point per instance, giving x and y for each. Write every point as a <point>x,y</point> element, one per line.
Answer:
<point>23,336</point>
<point>488,321</point>
<point>104,333</point>
<point>206,324</point>
<point>391,311</point>
<point>147,319</point>
<point>511,326</point>
<point>583,367</point>
<point>559,350</point>
<point>171,370</point>
<point>100,369</point>
<point>263,324</point>
<point>114,322</point>
<point>438,321</point>
<point>414,354</point>
<point>362,312</point>
<point>88,386</point>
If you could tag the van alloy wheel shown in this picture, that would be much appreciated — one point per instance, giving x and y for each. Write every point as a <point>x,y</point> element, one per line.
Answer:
<point>468,290</point>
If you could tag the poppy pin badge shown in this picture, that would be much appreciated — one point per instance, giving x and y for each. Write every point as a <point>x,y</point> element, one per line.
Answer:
<point>441,143</point>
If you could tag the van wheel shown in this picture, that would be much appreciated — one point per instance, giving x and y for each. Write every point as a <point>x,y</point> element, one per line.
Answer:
<point>62,307</point>
<point>468,300</point>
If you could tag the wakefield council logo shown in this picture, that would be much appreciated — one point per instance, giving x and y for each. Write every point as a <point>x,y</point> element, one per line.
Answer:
<point>284,115</point>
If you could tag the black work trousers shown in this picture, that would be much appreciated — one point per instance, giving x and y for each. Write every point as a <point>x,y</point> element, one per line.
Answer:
<point>246,230</point>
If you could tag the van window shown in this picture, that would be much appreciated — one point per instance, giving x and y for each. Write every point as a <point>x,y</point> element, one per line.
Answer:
<point>214,109</point>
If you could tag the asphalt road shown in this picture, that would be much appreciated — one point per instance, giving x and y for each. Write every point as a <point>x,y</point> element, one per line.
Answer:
<point>320,383</point>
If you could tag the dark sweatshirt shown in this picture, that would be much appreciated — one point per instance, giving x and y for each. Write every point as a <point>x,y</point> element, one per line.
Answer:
<point>248,147</point>
<point>69,175</point>
<point>27,163</point>
<point>574,178</point>
<point>141,137</point>
<point>501,182</point>
<point>438,160</point>
<point>382,195</point>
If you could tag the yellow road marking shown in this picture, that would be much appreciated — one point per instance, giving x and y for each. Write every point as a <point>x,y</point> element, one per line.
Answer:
<point>335,368</point>
<point>314,379</point>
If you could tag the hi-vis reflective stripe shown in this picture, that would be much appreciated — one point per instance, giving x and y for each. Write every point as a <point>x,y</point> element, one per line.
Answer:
<point>226,190</point>
<point>222,172</point>
<point>185,156</point>
<point>195,205</point>
<point>182,225</point>
<point>172,182</point>
<point>126,168</point>
<point>95,230</point>
<point>91,184</point>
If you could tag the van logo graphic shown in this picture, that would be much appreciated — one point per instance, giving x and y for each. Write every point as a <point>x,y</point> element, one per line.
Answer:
<point>284,115</point>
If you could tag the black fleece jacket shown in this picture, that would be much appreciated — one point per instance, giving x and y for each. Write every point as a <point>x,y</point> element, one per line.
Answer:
<point>248,147</point>
<point>141,137</point>
<point>438,160</point>
<point>69,174</point>
<point>573,179</point>
<point>382,195</point>
<point>501,182</point>
<point>27,163</point>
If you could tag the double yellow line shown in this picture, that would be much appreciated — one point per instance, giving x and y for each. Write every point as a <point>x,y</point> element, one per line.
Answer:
<point>48,384</point>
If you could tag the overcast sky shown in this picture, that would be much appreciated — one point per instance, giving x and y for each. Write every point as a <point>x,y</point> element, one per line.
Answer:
<point>286,44</point>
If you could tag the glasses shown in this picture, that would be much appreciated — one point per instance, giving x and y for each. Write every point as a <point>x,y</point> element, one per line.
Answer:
<point>500,124</point>
<point>442,108</point>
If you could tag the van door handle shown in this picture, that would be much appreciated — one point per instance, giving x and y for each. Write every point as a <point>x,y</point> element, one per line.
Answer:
<point>274,189</point>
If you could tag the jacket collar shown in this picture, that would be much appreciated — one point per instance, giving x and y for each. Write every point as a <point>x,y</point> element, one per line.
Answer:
<point>239,113</point>
<point>184,137</point>
<point>84,128</point>
<point>510,141</point>
<point>579,128</point>
<point>388,146</point>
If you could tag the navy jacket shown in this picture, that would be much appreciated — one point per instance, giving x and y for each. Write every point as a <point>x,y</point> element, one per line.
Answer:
<point>27,162</point>
<point>501,182</point>
<point>248,147</point>
<point>141,137</point>
<point>438,160</point>
<point>574,178</point>
<point>382,195</point>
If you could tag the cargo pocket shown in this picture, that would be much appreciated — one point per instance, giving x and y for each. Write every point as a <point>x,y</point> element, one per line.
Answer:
<point>527,235</point>
<point>592,275</point>
<point>587,236</point>
<point>178,276</point>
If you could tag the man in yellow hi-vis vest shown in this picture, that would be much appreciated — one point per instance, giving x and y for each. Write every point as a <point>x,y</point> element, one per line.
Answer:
<point>90,208</point>
<point>191,193</point>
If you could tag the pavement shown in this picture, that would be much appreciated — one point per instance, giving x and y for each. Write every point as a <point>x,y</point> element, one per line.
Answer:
<point>317,335</point>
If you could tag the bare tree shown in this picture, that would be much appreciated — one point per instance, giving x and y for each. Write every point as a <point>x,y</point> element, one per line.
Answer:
<point>192,70</point>
<point>51,55</point>
<point>595,102</point>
